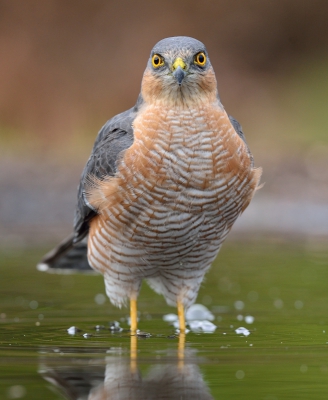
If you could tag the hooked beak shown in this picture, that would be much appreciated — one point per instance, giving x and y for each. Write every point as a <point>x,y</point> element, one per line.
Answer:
<point>179,70</point>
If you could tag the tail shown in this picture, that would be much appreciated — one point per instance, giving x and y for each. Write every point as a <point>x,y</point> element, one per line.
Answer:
<point>66,258</point>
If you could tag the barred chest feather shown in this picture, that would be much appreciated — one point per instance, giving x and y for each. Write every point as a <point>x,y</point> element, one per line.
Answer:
<point>178,190</point>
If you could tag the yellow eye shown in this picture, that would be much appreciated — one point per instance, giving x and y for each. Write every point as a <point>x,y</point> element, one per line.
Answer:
<point>200,59</point>
<point>157,61</point>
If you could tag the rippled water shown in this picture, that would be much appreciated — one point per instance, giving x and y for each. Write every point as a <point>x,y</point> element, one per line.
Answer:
<point>267,302</point>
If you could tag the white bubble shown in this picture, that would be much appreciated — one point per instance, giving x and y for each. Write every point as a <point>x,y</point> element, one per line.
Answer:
<point>249,319</point>
<point>239,305</point>
<point>114,326</point>
<point>42,267</point>
<point>240,317</point>
<point>298,304</point>
<point>100,298</point>
<point>199,312</point>
<point>240,374</point>
<point>242,331</point>
<point>278,303</point>
<point>16,392</point>
<point>170,317</point>
<point>73,330</point>
<point>303,368</point>
<point>34,304</point>
<point>202,326</point>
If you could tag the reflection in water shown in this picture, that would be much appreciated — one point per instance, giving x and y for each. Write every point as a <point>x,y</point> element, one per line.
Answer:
<point>119,377</point>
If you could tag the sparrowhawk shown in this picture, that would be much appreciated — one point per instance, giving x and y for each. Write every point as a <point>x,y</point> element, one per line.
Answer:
<point>164,184</point>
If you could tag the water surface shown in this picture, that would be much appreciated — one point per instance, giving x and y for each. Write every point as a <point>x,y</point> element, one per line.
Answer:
<point>277,292</point>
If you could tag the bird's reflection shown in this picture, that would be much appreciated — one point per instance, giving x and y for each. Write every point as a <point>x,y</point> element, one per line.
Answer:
<point>117,376</point>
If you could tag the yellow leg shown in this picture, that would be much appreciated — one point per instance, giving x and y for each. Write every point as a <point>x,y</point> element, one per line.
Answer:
<point>133,315</point>
<point>181,316</point>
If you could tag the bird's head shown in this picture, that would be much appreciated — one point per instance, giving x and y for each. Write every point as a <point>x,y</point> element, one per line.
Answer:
<point>179,71</point>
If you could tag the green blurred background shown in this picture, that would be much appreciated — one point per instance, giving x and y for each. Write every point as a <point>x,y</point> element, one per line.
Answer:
<point>68,66</point>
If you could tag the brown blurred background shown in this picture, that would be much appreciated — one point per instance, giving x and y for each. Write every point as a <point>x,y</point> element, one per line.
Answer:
<point>68,66</point>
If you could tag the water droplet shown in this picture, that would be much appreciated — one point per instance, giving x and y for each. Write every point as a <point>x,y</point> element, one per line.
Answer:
<point>34,304</point>
<point>240,374</point>
<point>298,304</point>
<point>170,317</point>
<point>239,305</point>
<point>16,392</point>
<point>114,326</point>
<point>99,327</point>
<point>73,330</point>
<point>242,331</point>
<point>199,312</point>
<point>278,303</point>
<point>249,319</point>
<point>303,368</point>
<point>202,326</point>
<point>143,334</point>
<point>100,298</point>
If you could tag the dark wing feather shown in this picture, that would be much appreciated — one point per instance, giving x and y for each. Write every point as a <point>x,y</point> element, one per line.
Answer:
<point>240,132</point>
<point>114,137</point>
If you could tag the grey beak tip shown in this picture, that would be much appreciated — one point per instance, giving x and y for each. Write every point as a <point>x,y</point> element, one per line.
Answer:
<point>179,75</point>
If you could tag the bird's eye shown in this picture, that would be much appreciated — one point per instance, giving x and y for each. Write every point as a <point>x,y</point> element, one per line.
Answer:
<point>200,59</point>
<point>157,61</point>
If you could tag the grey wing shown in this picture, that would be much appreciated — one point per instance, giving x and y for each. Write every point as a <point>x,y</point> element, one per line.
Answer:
<point>115,137</point>
<point>240,132</point>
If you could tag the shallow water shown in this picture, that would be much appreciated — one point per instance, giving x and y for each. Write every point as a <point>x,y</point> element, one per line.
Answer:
<point>277,292</point>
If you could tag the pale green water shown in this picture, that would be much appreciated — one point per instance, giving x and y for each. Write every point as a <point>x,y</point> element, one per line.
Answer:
<point>284,287</point>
